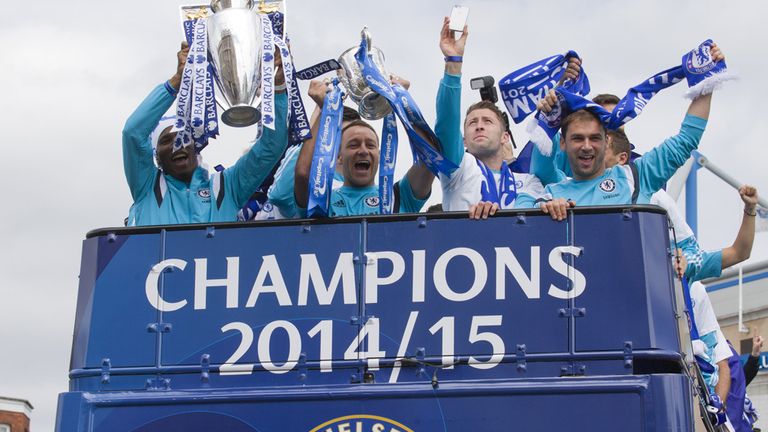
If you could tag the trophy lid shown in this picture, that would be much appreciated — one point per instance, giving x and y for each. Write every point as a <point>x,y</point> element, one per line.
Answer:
<point>219,5</point>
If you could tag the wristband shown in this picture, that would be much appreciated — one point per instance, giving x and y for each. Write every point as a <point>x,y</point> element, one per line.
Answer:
<point>280,87</point>
<point>170,88</point>
<point>455,59</point>
<point>753,214</point>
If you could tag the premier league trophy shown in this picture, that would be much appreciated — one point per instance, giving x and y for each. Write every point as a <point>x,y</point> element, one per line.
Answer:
<point>371,105</point>
<point>235,45</point>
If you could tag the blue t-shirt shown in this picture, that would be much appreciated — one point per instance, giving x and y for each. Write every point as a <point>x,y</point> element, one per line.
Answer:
<point>637,181</point>
<point>352,201</point>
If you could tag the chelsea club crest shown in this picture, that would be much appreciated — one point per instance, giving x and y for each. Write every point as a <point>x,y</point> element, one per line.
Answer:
<point>372,201</point>
<point>608,185</point>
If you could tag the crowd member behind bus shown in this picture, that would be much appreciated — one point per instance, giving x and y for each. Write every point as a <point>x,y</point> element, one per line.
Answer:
<point>178,190</point>
<point>752,365</point>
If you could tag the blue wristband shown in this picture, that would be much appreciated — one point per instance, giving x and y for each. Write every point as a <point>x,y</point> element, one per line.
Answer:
<point>170,88</point>
<point>455,59</point>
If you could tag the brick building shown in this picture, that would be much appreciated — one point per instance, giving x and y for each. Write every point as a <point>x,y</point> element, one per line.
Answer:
<point>14,415</point>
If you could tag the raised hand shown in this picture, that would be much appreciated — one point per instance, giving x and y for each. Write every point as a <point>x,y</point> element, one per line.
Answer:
<point>181,60</point>
<point>449,45</point>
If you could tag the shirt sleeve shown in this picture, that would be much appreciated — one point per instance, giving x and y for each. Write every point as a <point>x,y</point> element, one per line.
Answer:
<point>138,155</point>
<point>243,178</point>
<point>750,368</point>
<point>281,192</point>
<point>544,167</point>
<point>711,266</point>
<point>408,202</point>
<point>657,166</point>
<point>531,191</point>
<point>722,349</point>
<point>448,122</point>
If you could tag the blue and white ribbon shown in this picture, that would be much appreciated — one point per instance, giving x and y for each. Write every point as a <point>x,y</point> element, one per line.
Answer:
<point>523,88</point>
<point>196,113</point>
<point>267,73</point>
<point>315,71</point>
<point>503,194</point>
<point>326,150</point>
<point>387,160</point>
<point>545,126</point>
<point>406,109</point>
<point>298,124</point>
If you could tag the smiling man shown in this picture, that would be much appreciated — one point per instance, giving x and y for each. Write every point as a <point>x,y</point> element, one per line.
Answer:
<point>171,187</point>
<point>358,160</point>
<point>584,140</point>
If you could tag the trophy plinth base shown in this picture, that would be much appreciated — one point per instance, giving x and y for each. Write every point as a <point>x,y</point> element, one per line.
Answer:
<point>241,116</point>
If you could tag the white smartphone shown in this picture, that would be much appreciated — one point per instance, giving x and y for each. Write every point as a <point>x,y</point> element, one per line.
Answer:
<point>458,18</point>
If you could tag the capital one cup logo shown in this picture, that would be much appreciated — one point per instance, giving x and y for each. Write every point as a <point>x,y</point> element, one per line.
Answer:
<point>362,423</point>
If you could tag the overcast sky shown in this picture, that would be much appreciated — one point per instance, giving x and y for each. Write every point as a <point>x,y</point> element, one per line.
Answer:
<point>73,71</point>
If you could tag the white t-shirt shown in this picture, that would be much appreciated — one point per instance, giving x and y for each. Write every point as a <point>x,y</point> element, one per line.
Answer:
<point>462,189</point>
<point>663,200</point>
<point>706,321</point>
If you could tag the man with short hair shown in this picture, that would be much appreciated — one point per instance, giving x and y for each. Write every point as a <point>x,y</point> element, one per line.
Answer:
<point>484,182</point>
<point>281,203</point>
<point>584,140</point>
<point>358,157</point>
<point>179,190</point>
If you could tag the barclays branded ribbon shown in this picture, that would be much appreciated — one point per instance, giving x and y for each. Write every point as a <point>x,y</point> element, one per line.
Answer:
<point>196,113</point>
<point>523,88</point>
<point>406,109</point>
<point>326,150</point>
<point>298,124</point>
<point>387,160</point>
<point>267,73</point>
<point>702,74</point>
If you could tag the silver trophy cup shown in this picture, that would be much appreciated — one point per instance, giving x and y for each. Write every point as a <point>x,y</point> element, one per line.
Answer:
<point>371,105</point>
<point>235,45</point>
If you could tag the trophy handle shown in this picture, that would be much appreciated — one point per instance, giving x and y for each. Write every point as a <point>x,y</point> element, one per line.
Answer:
<point>365,34</point>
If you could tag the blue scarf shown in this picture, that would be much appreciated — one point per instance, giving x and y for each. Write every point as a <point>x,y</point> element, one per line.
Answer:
<point>503,194</point>
<point>409,113</point>
<point>523,88</point>
<point>326,149</point>
<point>701,80</point>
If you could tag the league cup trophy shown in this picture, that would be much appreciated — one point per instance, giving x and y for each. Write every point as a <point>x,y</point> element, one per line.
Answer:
<point>371,105</point>
<point>235,46</point>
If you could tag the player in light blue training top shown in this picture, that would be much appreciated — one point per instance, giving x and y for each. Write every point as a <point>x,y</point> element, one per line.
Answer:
<point>178,190</point>
<point>584,141</point>
<point>359,161</point>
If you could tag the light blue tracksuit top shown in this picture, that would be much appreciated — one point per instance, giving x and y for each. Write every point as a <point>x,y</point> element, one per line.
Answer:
<point>160,199</point>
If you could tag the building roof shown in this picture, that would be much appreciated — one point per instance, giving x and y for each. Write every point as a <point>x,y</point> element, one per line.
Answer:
<point>724,292</point>
<point>16,405</point>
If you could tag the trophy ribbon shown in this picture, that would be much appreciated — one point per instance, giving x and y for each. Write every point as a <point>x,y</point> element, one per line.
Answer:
<point>326,150</point>
<point>406,109</point>
<point>196,114</point>
<point>298,129</point>
<point>387,161</point>
<point>267,73</point>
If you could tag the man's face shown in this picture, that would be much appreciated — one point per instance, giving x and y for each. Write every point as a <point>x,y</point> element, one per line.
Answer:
<point>585,144</point>
<point>484,133</point>
<point>612,158</point>
<point>359,156</point>
<point>180,164</point>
